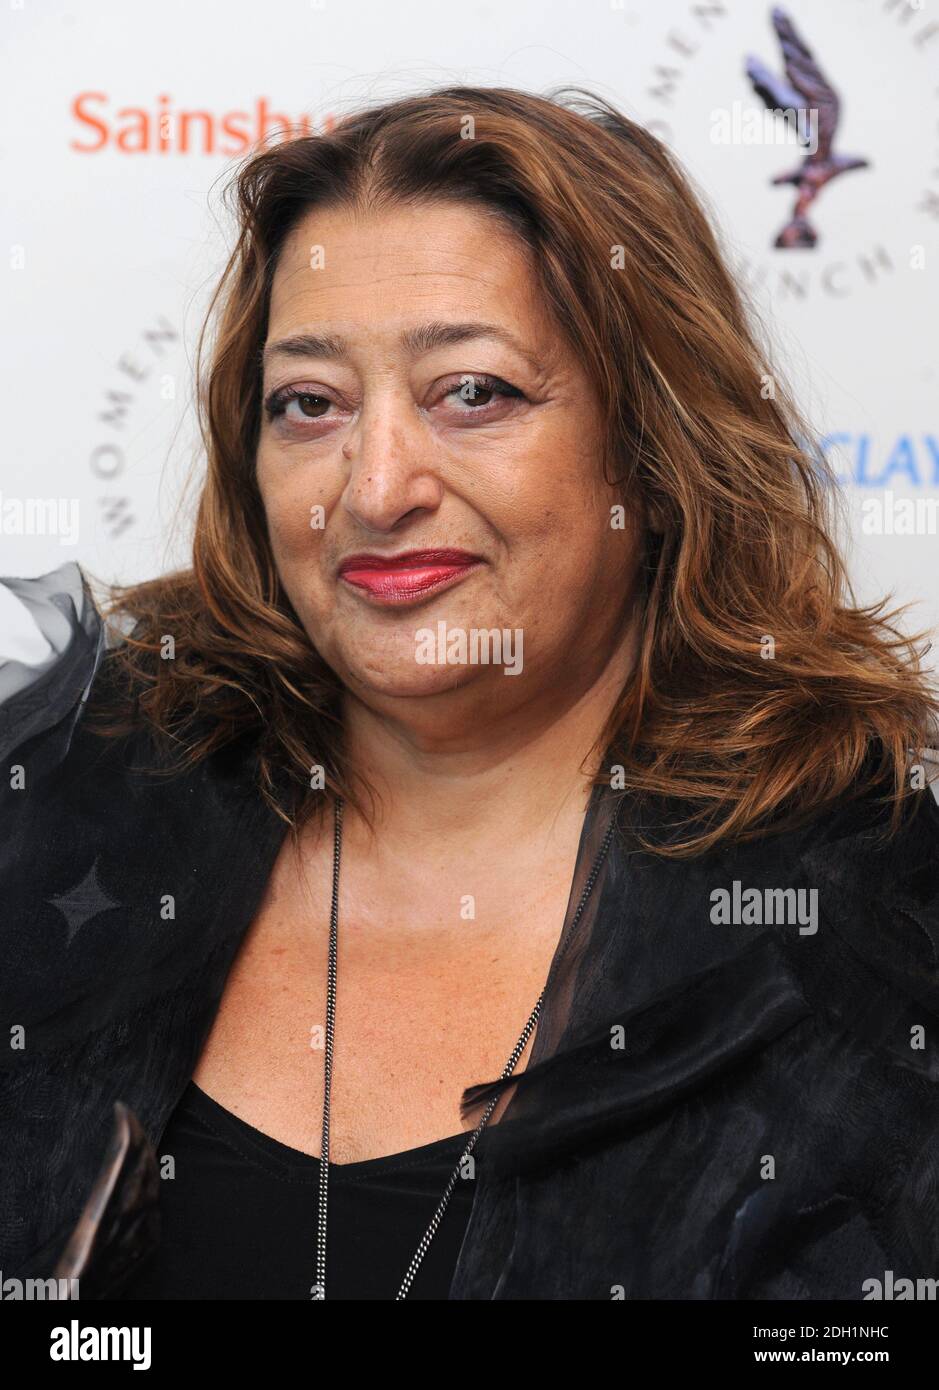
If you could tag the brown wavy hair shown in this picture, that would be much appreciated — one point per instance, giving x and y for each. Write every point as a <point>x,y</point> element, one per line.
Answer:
<point>698,426</point>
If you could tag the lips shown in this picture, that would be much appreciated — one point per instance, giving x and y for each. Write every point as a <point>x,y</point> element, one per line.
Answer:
<point>411,575</point>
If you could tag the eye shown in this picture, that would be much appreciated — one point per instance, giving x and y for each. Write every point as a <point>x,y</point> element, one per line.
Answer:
<point>309,404</point>
<point>477,393</point>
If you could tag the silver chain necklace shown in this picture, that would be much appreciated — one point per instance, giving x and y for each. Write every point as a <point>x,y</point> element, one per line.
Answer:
<point>319,1288</point>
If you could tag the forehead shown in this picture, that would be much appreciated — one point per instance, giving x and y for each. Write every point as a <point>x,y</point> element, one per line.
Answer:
<point>410,258</point>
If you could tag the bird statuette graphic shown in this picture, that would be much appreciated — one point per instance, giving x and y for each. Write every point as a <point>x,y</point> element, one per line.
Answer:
<point>804,87</point>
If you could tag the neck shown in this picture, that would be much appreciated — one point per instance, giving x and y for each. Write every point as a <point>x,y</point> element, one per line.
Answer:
<point>524,775</point>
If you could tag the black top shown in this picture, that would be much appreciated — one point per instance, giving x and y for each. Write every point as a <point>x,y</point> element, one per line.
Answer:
<point>239,1216</point>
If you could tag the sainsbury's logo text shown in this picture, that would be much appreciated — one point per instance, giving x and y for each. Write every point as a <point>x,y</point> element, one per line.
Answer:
<point>163,128</point>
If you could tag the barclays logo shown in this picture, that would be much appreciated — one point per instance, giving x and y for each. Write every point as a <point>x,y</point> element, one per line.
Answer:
<point>864,461</point>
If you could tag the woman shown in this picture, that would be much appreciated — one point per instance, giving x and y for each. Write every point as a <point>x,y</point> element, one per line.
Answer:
<point>511,739</point>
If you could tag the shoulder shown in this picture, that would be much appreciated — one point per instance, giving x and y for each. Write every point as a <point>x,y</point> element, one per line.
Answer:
<point>53,647</point>
<point>869,960</point>
<point>70,695</point>
<point>847,904</point>
<point>61,671</point>
<point>869,871</point>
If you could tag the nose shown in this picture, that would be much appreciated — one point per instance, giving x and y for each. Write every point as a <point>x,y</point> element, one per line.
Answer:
<point>391,473</point>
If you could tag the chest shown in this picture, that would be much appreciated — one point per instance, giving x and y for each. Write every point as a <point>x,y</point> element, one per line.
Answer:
<point>434,987</point>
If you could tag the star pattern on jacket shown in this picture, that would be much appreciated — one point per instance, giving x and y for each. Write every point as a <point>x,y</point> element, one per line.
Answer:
<point>83,902</point>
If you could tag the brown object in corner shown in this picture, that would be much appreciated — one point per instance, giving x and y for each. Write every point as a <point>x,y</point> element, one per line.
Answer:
<point>119,1225</point>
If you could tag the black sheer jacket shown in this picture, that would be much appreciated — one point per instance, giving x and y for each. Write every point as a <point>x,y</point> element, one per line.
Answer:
<point>712,1110</point>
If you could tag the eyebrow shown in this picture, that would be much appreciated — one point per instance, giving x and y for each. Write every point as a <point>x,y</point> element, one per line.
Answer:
<point>424,338</point>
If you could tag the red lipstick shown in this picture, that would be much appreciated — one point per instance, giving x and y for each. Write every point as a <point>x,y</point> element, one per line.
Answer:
<point>411,575</point>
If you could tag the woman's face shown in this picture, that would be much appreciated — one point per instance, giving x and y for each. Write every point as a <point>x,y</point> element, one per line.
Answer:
<point>419,398</point>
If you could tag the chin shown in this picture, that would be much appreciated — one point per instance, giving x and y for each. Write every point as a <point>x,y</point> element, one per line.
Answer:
<point>404,679</point>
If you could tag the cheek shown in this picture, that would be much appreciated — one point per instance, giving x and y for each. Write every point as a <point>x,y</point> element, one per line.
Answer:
<point>294,520</point>
<point>562,506</point>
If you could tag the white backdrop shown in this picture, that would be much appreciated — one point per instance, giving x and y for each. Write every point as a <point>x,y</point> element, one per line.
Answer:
<point>115,238</point>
